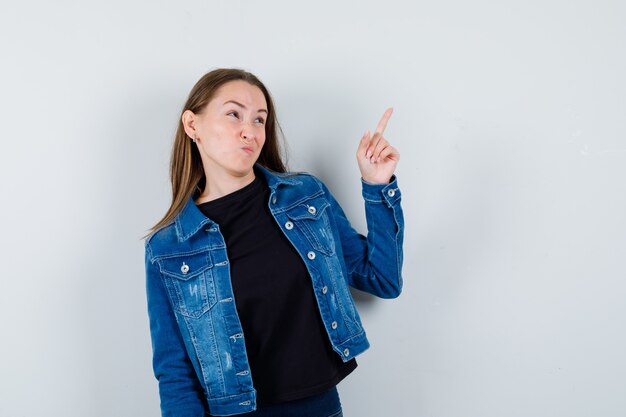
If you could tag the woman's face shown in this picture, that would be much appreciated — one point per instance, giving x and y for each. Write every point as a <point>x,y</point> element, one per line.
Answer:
<point>230,131</point>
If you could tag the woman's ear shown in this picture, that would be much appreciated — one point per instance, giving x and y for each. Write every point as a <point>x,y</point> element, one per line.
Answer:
<point>189,119</point>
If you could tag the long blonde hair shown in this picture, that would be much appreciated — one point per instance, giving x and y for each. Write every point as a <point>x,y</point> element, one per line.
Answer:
<point>186,171</point>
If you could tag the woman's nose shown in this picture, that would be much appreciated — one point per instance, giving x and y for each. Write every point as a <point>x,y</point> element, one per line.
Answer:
<point>247,132</point>
<point>247,137</point>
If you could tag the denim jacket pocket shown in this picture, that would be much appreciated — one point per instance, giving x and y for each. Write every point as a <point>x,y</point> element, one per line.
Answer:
<point>311,218</point>
<point>189,278</point>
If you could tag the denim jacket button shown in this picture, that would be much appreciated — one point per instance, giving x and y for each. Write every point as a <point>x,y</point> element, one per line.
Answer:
<point>311,255</point>
<point>346,352</point>
<point>184,268</point>
<point>312,210</point>
<point>333,325</point>
<point>274,200</point>
<point>324,289</point>
<point>391,193</point>
<point>288,225</point>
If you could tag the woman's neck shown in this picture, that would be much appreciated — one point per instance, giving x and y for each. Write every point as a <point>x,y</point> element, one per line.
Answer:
<point>220,185</point>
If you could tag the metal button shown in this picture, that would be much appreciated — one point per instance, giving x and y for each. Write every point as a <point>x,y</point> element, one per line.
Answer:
<point>311,255</point>
<point>185,268</point>
<point>333,325</point>
<point>324,289</point>
<point>391,193</point>
<point>274,200</point>
<point>312,210</point>
<point>288,225</point>
<point>346,352</point>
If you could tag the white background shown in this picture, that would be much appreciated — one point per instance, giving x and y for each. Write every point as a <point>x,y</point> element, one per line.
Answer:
<point>510,119</point>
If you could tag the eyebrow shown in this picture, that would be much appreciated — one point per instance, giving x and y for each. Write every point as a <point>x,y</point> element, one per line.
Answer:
<point>241,105</point>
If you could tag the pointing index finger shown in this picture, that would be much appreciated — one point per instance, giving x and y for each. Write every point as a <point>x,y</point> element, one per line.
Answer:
<point>382,124</point>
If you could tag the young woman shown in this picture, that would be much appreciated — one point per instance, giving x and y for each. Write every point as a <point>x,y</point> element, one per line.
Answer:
<point>247,273</point>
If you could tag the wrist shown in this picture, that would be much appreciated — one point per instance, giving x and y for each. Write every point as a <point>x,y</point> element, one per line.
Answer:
<point>375,181</point>
<point>380,192</point>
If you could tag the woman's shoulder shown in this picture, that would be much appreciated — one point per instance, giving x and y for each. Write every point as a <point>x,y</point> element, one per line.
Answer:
<point>301,175</point>
<point>162,237</point>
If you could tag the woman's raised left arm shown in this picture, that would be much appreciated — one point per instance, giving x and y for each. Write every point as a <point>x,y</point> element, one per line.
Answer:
<point>374,262</point>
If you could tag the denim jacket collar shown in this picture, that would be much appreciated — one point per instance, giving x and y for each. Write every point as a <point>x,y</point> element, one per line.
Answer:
<point>190,219</point>
<point>274,179</point>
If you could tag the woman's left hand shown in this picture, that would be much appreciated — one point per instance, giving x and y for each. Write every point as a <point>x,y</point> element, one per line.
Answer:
<point>376,157</point>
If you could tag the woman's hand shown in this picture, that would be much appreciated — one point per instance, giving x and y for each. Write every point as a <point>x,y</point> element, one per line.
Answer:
<point>376,157</point>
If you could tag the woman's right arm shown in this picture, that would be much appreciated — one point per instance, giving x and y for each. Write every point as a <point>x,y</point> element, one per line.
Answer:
<point>180,391</point>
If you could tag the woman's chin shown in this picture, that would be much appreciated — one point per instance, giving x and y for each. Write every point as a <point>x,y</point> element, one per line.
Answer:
<point>243,170</point>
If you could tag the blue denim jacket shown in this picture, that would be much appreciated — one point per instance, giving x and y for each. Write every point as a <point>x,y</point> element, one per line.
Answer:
<point>197,339</point>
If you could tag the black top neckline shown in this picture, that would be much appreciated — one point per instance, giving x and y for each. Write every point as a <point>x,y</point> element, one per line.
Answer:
<point>255,186</point>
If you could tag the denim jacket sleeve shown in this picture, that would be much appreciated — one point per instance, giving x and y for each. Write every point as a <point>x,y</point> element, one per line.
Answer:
<point>374,263</point>
<point>179,388</point>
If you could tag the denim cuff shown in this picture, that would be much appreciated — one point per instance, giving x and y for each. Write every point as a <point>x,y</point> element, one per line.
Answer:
<point>378,193</point>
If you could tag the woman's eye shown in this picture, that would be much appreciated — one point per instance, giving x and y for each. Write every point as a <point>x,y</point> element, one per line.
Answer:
<point>234,113</point>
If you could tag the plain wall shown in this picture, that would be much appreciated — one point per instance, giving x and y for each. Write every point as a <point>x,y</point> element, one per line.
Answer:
<point>510,120</point>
